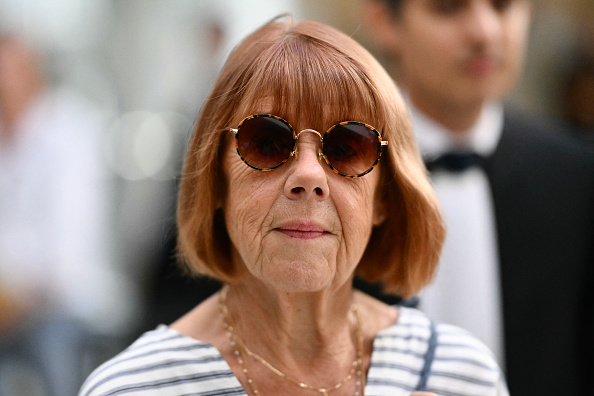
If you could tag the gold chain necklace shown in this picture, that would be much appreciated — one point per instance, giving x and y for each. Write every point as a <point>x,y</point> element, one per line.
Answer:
<point>240,350</point>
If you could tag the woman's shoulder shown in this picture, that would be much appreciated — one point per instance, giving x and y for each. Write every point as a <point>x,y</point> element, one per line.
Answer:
<point>414,322</point>
<point>159,358</point>
<point>452,357</point>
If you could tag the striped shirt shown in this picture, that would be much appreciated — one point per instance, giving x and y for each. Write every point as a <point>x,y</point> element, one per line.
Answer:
<point>165,362</point>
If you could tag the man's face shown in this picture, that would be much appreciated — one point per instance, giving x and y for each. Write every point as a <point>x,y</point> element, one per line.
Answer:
<point>461,52</point>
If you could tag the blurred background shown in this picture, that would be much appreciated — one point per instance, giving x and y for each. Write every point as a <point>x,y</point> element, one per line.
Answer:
<point>97,100</point>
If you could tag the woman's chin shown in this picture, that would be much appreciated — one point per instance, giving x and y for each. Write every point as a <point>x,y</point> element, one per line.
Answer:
<point>300,277</point>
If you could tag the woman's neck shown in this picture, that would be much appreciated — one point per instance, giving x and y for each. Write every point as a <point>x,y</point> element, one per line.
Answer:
<point>294,341</point>
<point>311,338</point>
<point>306,327</point>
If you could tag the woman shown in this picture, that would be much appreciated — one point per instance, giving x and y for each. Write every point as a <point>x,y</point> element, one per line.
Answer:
<point>286,221</point>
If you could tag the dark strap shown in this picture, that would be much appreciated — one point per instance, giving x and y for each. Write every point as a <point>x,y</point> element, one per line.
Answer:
<point>429,356</point>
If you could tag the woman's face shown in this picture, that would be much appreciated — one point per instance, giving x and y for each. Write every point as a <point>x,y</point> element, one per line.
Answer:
<point>299,227</point>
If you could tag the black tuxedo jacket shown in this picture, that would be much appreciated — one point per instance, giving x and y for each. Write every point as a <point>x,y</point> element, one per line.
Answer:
<point>542,183</point>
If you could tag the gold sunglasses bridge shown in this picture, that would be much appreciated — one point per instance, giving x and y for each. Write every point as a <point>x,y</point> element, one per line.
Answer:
<point>296,151</point>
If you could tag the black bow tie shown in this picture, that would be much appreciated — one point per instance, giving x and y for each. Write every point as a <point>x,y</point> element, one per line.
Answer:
<point>455,162</point>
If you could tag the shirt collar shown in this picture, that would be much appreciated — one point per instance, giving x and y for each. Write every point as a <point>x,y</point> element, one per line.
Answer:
<point>434,139</point>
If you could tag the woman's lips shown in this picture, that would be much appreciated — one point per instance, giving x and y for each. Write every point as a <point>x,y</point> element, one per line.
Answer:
<point>302,230</point>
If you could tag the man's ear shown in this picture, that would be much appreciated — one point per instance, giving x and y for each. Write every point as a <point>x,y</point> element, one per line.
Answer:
<point>382,25</point>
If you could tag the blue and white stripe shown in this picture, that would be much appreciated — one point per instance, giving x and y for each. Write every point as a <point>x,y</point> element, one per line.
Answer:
<point>462,366</point>
<point>165,362</point>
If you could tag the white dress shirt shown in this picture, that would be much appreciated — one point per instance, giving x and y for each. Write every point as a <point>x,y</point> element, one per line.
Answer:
<point>466,289</point>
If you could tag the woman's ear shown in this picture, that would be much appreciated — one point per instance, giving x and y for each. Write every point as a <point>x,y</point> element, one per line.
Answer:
<point>218,203</point>
<point>379,212</point>
<point>382,25</point>
<point>221,198</point>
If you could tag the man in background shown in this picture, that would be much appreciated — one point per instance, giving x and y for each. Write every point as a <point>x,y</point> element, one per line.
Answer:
<point>517,194</point>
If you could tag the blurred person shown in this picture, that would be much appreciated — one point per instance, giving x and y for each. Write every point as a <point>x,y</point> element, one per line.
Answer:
<point>285,216</point>
<point>56,283</point>
<point>517,193</point>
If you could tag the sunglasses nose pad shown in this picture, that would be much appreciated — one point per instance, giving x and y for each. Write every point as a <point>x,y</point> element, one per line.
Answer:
<point>295,153</point>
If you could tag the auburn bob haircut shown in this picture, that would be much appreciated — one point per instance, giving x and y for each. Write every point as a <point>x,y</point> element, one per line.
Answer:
<point>311,72</point>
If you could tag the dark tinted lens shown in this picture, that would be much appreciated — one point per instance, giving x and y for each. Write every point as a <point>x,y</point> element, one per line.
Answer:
<point>352,149</point>
<point>264,142</point>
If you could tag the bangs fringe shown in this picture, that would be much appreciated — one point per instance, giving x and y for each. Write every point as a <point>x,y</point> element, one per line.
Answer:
<point>308,81</point>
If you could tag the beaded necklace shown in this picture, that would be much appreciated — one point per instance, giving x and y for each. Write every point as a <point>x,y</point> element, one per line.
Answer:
<point>240,350</point>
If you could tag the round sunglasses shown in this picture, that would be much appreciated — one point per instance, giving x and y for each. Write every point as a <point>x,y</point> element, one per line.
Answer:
<point>350,148</point>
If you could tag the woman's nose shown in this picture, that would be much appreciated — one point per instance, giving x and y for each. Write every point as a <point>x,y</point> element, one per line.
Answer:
<point>308,177</point>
